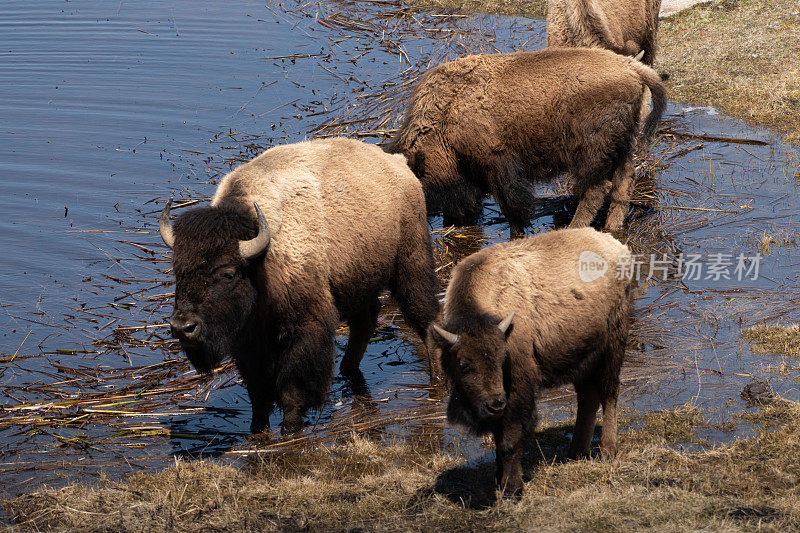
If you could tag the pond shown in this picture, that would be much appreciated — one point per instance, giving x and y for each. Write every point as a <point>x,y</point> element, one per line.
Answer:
<point>110,108</point>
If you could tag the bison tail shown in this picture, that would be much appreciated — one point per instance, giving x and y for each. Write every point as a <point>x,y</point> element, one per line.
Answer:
<point>652,80</point>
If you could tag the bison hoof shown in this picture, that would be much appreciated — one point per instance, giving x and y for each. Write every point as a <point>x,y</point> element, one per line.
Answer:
<point>259,425</point>
<point>290,427</point>
<point>511,494</point>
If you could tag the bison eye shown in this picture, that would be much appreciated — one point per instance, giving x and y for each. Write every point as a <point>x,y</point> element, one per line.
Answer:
<point>226,273</point>
<point>464,367</point>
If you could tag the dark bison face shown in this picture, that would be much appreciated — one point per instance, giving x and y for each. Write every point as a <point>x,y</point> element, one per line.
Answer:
<point>214,251</point>
<point>474,361</point>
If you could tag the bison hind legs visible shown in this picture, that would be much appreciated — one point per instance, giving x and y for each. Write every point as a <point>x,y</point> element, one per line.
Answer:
<point>621,185</point>
<point>593,196</point>
<point>362,326</point>
<point>591,200</point>
<point>415,286</point>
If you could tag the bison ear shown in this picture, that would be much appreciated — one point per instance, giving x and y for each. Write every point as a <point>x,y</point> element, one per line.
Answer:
<point>506,323</point>
<point>449,338</point>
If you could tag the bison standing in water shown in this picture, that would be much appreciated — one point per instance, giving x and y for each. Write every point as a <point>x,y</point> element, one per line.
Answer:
<point>496,123</point>
<point>531,314</point>
<point>294,241</point>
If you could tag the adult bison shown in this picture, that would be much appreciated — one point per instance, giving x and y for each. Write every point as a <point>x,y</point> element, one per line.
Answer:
<point>628,27</point>
<point>530,314</point>
<point>495,123</point>
<point>301,237</point>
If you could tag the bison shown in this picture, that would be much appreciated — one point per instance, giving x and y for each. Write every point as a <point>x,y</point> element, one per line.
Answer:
<point>495,123</point>
<point>628,27</point>
<point>531,314</point>
<point>299,238</point>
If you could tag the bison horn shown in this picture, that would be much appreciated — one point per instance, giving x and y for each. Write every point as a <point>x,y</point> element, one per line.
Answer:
<point>503,326</point>
<point>259,243</point>
<point>165,227</point>
<point>639,56</point>
<point>451,338</point>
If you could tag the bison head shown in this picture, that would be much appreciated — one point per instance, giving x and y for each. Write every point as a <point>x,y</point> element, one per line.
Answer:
<point>474,361</point>
<point>215,278</point>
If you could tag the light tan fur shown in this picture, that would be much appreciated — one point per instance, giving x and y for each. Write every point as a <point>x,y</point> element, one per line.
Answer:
<point>623,26</point>
<point>325,213</point>
<point>555,309</point>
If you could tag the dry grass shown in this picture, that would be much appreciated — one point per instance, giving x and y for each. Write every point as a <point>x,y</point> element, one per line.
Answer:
<point>768,240</point>
<point>741,57</point>
<point>774,339</point>
<point>525,8</point>
<point>746,485</point>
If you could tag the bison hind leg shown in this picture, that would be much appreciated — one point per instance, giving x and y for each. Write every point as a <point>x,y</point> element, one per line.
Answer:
<point>415,284</point>
<point>362,326</point>
<point>592,198</point>
<point>620,194</point>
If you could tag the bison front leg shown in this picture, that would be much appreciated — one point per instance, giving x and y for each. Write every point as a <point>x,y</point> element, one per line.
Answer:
<point>588,403</point>
<point>508,449</point>
<point>304,372</point>
<point>261,405</point>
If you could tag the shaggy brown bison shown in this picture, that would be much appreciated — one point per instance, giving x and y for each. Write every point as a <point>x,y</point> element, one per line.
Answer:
<point>627,27</point>
<point>530,314</point>
<point>341,221</point>
<point>495,123</point>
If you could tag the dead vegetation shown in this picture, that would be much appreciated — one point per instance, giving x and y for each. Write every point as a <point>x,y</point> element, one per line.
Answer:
<point>520,8</point>
<point>774,339</point>
<point>740,57</point>
<point>410,486</point>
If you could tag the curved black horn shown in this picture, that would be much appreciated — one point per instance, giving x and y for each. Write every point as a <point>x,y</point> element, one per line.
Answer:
<point>506,322</point>
<point>259,243</point>
<point>451,338</point>
<point>165,227</point>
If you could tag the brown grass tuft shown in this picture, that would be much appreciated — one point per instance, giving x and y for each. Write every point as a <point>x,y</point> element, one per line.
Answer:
<point>741,57</point>
<point>774,339</point>
<point>749,484</point>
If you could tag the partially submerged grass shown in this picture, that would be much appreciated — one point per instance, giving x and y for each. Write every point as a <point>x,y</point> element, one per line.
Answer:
<point>748,484</point>
<point>774,339</point>
<point>768,240</point>
<point>525,8</point>
<point>741,57</point>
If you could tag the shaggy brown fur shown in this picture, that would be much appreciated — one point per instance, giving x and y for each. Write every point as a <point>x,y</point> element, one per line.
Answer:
<point>495,123</point>
<point>347,221</point>
<point>623,26</point>
<point>568,328</point>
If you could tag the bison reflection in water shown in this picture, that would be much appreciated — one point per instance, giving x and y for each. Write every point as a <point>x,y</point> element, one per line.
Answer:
<point>341,221</point>
<point>530,314</point>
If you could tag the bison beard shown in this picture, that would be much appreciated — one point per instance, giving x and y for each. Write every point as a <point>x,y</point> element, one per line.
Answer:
<point>234,321</point>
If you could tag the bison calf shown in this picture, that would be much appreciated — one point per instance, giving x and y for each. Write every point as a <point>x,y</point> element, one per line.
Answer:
<point>530,314</point>
<point>495,123</point>
<point>341,221</point>
<point>627,27</point>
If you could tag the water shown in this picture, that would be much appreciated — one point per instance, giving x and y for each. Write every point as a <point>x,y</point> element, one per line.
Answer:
<point>109,108</point>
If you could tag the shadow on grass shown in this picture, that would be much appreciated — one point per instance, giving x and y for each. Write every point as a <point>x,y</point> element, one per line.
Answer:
<point>473,486</point>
